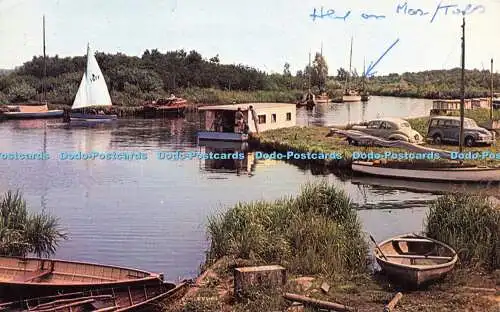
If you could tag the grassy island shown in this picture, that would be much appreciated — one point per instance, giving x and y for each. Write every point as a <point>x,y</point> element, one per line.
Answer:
<point>315,140</point>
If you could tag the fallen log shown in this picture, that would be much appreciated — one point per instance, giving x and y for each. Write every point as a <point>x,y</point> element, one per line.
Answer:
<point>318,303</point>
<point>390,306</point>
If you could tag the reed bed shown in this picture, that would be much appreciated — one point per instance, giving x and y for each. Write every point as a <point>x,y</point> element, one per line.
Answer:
<point>470,224</point>
<point>317,232</point>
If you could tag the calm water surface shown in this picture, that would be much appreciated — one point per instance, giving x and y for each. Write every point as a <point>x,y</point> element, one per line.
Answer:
<point>151,214</point>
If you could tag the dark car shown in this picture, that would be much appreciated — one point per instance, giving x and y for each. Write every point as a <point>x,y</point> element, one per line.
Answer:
<point>447,129</point>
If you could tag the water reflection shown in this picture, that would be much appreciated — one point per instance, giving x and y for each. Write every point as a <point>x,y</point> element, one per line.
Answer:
<point>383,186</point>
<point>243,162</point>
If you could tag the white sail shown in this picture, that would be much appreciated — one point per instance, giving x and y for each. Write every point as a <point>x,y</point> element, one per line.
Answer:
<point>93,90</point>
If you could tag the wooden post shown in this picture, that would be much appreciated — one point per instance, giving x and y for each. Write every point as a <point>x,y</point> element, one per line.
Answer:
<point>390,306</point>
<point>246,277</point>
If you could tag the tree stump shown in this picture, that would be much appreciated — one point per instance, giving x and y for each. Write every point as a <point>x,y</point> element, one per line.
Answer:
<point>269,275</point>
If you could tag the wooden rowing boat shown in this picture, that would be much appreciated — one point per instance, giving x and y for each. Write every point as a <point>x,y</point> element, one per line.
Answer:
<point>22,278</point>
<point>126,298</point>
<point>415,260</point>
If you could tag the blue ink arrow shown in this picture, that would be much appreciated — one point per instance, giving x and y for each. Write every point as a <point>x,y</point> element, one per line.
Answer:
<point>369,71</point>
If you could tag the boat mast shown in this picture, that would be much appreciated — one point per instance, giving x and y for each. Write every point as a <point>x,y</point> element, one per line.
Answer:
<point>462,90</point>
<point>321,68</point>
<point>44,92</point>
<point>309,70</point>
<point>491,91</point>
<point>349,72</point>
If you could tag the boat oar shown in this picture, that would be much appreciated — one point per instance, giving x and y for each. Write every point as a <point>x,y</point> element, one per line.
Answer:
<point>378,248</point>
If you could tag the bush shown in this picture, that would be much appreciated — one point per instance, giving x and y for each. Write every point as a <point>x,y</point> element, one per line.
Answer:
<point>470,224</point>
<point>317,232</point>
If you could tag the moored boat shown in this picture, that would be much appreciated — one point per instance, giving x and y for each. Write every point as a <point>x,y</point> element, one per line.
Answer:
<point>32,111</point>
<point>22,278</point>
<point>127,298</point>
<point>164,107</point>
<point>434,172</point>
<point>414,260</point>
<point>92,96</point>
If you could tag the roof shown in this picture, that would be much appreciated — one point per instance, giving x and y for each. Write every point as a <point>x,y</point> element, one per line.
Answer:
<point>390,119</point>
<point>245,106</point>
<point>449,117</point>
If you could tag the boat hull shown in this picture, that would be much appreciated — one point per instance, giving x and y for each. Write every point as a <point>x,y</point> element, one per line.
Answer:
<point>222,136</point>
<point>34,115</point>
<point>78,118</point>
<point>473,174</point>
<point>351,98</point>
<point>158,112</point>
<point>143,296</point>
<point>22,278</point>
<point>414,261</point>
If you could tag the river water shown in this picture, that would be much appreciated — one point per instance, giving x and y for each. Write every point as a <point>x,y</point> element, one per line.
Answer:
<point>151,214</point>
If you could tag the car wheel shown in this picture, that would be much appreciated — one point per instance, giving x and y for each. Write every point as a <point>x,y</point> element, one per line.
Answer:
<point>469,141</point>
<point>436,139</point>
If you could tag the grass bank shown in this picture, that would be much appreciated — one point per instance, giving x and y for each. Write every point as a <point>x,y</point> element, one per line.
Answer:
<point>317,237</point>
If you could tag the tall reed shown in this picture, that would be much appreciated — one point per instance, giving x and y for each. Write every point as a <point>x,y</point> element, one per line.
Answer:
<point>470,224</point>
<point>317,232</point>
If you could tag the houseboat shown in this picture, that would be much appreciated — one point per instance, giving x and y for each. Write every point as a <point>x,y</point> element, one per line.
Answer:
<point>221,122</point>
<point>446,106</point>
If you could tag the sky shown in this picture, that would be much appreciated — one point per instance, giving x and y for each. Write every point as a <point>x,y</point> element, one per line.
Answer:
<point>260,33</point>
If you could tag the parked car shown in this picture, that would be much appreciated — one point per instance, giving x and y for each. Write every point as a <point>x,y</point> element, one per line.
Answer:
<point>391,129</point>
<point>447,129</point>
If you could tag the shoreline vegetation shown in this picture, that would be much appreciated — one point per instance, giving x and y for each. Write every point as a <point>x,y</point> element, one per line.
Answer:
<point>133,80</point>
<point>315,140</point>
<point>317,236</point>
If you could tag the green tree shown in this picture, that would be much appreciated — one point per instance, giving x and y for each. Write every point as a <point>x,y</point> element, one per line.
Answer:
<point>20,92</point>
<point>319,72</point>
<point>22,233</point>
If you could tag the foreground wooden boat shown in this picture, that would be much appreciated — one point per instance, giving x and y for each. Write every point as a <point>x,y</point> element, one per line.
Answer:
<point>451,173</point>
<point>415,260</point>
<point>132,298</point>
<point>22,278</point>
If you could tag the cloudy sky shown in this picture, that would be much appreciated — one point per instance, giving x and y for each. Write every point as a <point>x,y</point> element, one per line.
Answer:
<point>260,33</point>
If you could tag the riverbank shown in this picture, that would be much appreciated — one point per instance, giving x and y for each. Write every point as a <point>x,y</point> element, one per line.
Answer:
<point>317,140</point>
<point>265,233</point>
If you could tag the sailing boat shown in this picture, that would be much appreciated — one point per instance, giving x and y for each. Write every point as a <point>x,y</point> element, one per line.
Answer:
<point>309,99</point>
<point>92,94</point>
<point>35,110</point>
<point>323,97</point>
<point>349,94</point>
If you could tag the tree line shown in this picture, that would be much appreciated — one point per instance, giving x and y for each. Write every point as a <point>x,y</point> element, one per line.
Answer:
<point>132,79</point>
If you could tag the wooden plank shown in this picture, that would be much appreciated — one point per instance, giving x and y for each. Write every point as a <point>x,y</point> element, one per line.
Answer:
<point>113,308</point>
<point>419,257</point>
<point>48,304</point>
<point>69,305</point>
<point>416,240</point>
<point>318,303</point>
<point>390,306</point>
<point>31,276</point>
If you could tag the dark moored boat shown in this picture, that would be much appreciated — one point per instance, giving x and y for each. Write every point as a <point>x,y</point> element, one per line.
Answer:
<point>126,298</point>
<point>164,107</point>
<point>22,278</point>
<point>415,260</point>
